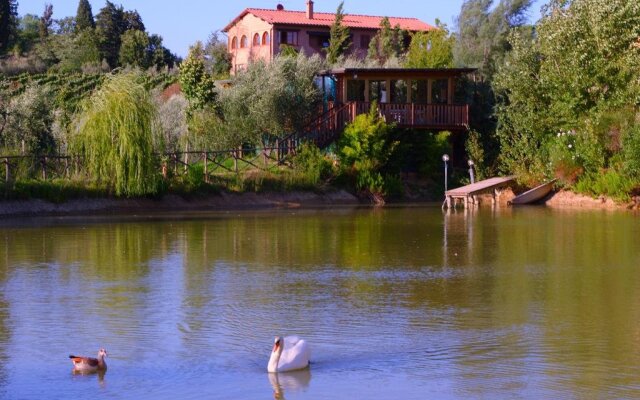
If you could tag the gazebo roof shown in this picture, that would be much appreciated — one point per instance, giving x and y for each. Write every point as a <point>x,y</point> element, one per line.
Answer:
<point>397,72</point>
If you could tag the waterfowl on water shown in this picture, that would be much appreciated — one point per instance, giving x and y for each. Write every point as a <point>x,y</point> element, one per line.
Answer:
<point>288,354</point>
<point>89,364</point>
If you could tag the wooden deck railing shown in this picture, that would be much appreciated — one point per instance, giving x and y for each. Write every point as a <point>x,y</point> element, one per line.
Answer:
<point>442,116</point>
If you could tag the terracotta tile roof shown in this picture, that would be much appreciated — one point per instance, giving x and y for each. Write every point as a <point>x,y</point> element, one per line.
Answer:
<point>284,17</point>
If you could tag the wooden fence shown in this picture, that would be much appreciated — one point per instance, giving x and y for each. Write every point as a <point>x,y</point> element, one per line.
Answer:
<point>47,167</point>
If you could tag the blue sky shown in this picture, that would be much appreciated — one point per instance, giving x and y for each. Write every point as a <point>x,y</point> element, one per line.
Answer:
<point>194,20</point>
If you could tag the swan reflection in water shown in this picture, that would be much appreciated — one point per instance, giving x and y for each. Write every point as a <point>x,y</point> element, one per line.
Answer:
<point>289,381</point>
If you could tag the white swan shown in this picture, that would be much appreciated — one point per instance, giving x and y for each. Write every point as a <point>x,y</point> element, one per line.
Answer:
<point>289,354</point>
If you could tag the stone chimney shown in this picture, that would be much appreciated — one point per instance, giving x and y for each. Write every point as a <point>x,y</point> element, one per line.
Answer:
<point>309,9</point>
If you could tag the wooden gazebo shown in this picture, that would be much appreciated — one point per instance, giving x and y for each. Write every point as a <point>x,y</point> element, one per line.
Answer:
<point>411,97</point>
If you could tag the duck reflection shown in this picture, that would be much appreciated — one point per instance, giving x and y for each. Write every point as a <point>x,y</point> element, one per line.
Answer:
<point>289,381</point>
<point>100,374</point>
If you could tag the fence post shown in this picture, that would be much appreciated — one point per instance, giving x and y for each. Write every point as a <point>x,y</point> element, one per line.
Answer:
<point>43,161</point>
<point>206,173</point>
<point>174,157</point>
<point>66,167</point>
<point>7,175</point>
<point>235,160</point>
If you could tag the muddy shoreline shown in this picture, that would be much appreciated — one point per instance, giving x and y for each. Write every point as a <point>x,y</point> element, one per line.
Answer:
<point>261,201</point>
<point>168,203</point>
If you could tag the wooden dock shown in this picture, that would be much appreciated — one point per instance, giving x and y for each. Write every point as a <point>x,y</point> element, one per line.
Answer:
<point>468,193</point>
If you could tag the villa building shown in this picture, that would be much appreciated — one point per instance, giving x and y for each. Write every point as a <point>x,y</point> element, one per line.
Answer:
<point>260,33</point>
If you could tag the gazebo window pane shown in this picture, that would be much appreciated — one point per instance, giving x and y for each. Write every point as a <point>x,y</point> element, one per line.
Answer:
<point>355,90</point>
<point>419,91</point>
<point>439,89</point>
<point>399,92</point>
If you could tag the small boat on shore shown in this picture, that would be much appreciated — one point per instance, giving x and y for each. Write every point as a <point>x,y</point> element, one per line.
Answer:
<point>534,194</point>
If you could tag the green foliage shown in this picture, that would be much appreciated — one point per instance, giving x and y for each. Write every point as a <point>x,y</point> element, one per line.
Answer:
<point>433,49</point>
<point>196,83</point>
<point>631,151</point>
<point>610,183</point>
<point>481,40</point>
<point>133,49</point>
<point>84,16</point>
<point>77,50</point>
<point>271,100</point>
<point>288,51</point>
<point>311,163</point>
<point>579,74</point>
<point>339,41</point>
<point>388,43</point>
<point>116,136</point>
<point>365,148</point>
<point>110,25</point>
<point>218,59</point>
<point>29,120</point>
<point>475,151</point>
<point>8,24</point>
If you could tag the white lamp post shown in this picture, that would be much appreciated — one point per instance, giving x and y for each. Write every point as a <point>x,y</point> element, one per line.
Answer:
<point>445,158</point>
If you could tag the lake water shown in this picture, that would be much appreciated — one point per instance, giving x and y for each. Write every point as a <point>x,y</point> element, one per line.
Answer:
<point>396,303</point>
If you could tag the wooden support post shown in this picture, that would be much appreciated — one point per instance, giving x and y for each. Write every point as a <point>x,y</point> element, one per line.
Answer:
<point>7,174</point>
<point>409,83</point>
<point>367,96</point>
<point>66,167</point>
<point>387,87</point>
<point>449,202</point>
<point>450,88</point>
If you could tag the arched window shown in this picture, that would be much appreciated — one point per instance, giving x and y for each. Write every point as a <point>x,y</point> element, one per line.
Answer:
<point>265,38</point>
<point>256,40</point>
<point>244,42</point>
<point>234,43</point>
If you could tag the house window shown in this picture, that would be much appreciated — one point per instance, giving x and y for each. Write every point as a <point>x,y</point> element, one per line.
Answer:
<point>265,38</point>
<point>289,37</point>
<point>244,42</point>
<point>234,43</point>
<point>256,40</point>
<point>364,41</point>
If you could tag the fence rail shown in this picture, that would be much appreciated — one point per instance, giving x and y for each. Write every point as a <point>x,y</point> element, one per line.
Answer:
<point>212,162</point>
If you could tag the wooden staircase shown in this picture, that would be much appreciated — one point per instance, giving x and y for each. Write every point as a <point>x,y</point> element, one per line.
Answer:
<point>322,131</point>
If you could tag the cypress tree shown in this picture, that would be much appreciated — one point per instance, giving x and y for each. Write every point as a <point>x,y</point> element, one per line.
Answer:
<point>8,17</point>
<point>339,41</point>
<point>84,16</point>
<point>110,26</point>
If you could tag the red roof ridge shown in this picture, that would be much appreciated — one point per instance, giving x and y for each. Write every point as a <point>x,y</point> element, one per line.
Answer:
<point>329,13</point>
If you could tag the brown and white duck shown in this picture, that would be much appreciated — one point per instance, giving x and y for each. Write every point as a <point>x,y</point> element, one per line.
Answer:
<point>89,364</point>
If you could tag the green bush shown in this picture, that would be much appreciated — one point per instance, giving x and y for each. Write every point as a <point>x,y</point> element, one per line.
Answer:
<point>631,151</point>
<point>611,183</point>
<point>310,163</point>
<point>364,149</point>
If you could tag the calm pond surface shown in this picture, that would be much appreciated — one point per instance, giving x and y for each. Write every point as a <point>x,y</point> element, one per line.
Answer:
<point>396,303</point>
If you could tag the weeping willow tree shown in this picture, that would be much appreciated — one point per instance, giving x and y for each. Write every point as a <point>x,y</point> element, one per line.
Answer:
<point>116,136</point>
